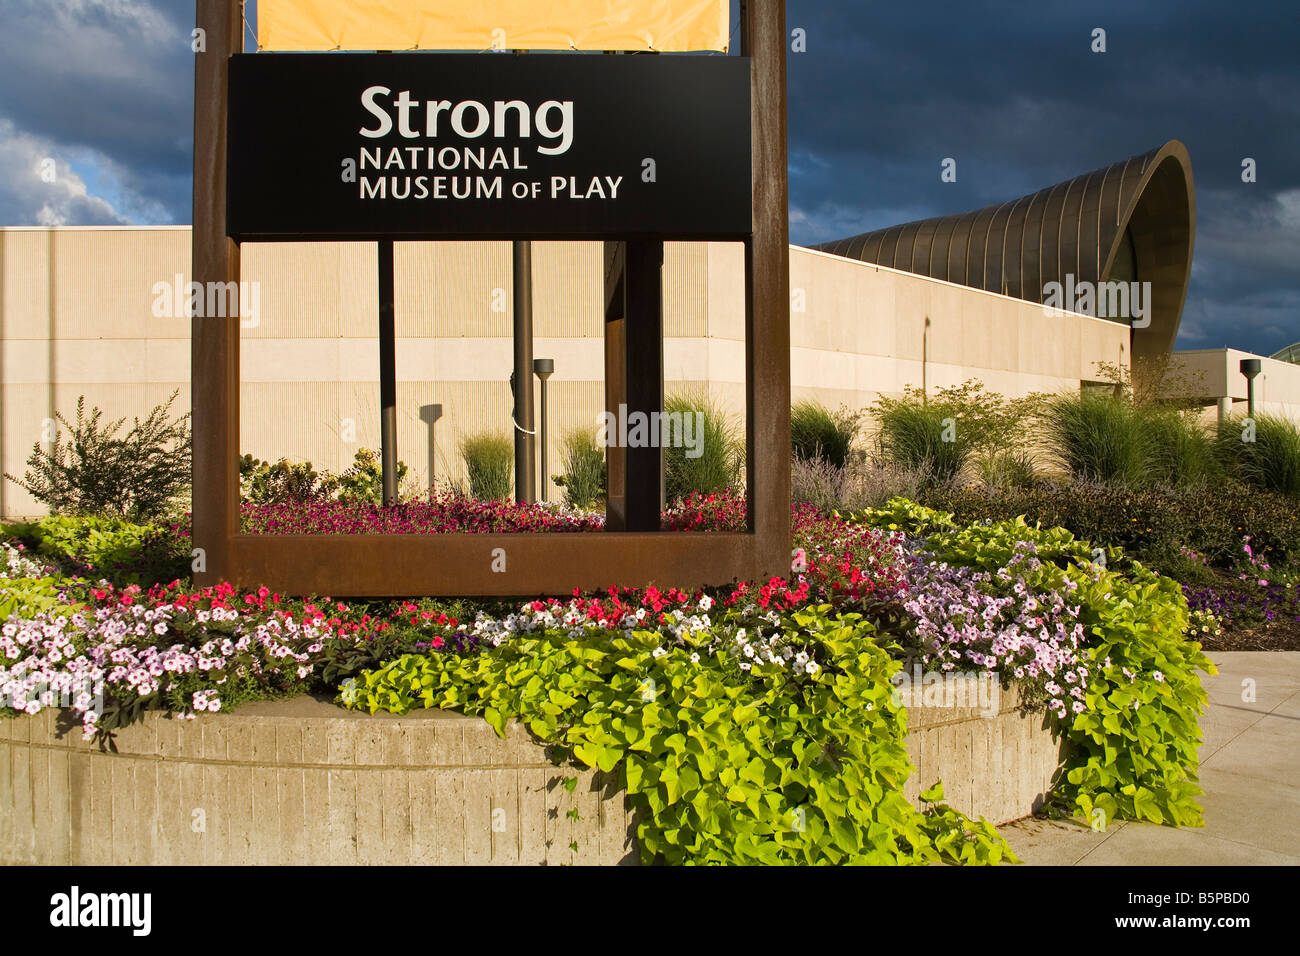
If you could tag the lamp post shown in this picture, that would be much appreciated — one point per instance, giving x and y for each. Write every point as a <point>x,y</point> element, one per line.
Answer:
<point>1250,368</point>
<point>543,368</point>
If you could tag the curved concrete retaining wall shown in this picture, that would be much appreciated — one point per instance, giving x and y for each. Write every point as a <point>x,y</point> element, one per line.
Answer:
<point>302,782</point>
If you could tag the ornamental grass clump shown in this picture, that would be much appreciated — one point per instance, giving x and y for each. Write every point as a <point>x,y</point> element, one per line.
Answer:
<point>1263,452</point>
<point>489,465</point>
<point>818,434</point>
<point>957,426</point>
<point>583,475</point>
<point>715,462</point>
<point>924,438</point>
<point>1097,437</point>
<point>1179,452</point>
<point>863,482</point>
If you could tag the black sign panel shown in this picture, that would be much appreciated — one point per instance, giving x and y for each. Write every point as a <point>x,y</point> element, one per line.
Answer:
<point>348,145</point>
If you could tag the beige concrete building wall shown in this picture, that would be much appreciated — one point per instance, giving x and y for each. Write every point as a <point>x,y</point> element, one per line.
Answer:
<point>1216,373</point>
<point>78,315</point>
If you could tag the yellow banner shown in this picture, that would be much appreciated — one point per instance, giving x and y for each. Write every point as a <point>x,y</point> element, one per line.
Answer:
<point>665,25</point>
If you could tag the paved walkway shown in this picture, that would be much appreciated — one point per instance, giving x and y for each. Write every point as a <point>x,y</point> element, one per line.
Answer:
<point>1250,771</point>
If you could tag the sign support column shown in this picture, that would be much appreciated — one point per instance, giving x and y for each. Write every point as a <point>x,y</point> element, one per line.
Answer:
<point>214,340</point>
<point>522,415</point>
<point>387,373</point>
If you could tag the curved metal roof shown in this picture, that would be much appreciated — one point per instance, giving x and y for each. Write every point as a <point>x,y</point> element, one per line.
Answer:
<point>1289,354</point>
<point>1076,227</point>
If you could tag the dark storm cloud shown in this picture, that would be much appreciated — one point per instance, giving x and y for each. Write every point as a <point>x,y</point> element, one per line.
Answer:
<point>884,92</point>
<point>1013,92</point>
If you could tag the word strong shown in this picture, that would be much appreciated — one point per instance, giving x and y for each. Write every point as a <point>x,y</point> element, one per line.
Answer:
<point>472,119</point>
<point>453,145</point>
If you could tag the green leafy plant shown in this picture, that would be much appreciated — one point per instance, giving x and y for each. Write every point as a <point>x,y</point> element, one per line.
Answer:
<point>97,471</point>
<point>284,482</point>
<point>721,453</point>
<point>1131,754</point>
<point>583,477</point>
<point>725,767</point>
<point>489,464</point>
<point>817,433</point>
<point>115,549</point>
<point>28,597</point>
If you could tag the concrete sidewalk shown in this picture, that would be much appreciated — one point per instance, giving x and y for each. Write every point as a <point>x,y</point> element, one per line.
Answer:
<point>1250,772</point>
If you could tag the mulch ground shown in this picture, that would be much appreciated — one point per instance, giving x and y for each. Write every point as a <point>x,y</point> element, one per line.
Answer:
<point>1278,636</point>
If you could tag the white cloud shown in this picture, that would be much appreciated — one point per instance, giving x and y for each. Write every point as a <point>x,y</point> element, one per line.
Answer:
<point>26,198</point>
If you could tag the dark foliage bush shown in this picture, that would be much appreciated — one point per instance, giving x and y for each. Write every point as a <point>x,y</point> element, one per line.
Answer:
<point>1150,524</point>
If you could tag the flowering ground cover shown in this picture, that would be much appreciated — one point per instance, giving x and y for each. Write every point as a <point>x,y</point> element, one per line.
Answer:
<point>731,712</point>
<point>441,514</point>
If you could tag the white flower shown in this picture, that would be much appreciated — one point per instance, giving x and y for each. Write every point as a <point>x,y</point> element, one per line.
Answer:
<point>695,658</point>
<point>658,652</point>
<point>811,667</point>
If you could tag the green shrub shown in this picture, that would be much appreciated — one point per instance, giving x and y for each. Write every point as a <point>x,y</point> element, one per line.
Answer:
<point>817,433</point>
<point>583,478</point>
<point>1097,437</point>
<point>490,465</point>
<point>285,482</point>
<point>1271,461</point>
<point>1151,524</point>
<point>363,482</point>
<point>716,464</point>
<point>722,766</point>
<point>96,471</point>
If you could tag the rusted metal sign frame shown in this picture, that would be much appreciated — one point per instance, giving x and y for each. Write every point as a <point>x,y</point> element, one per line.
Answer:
<point>463,564</point>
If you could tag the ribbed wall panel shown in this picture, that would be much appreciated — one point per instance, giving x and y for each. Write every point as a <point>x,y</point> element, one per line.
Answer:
<point>309,290</point>
<point>686,289</point>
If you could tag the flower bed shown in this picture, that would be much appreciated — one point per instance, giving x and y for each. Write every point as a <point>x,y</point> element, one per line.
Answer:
<point>443,514</point>
<point>732,713</point>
